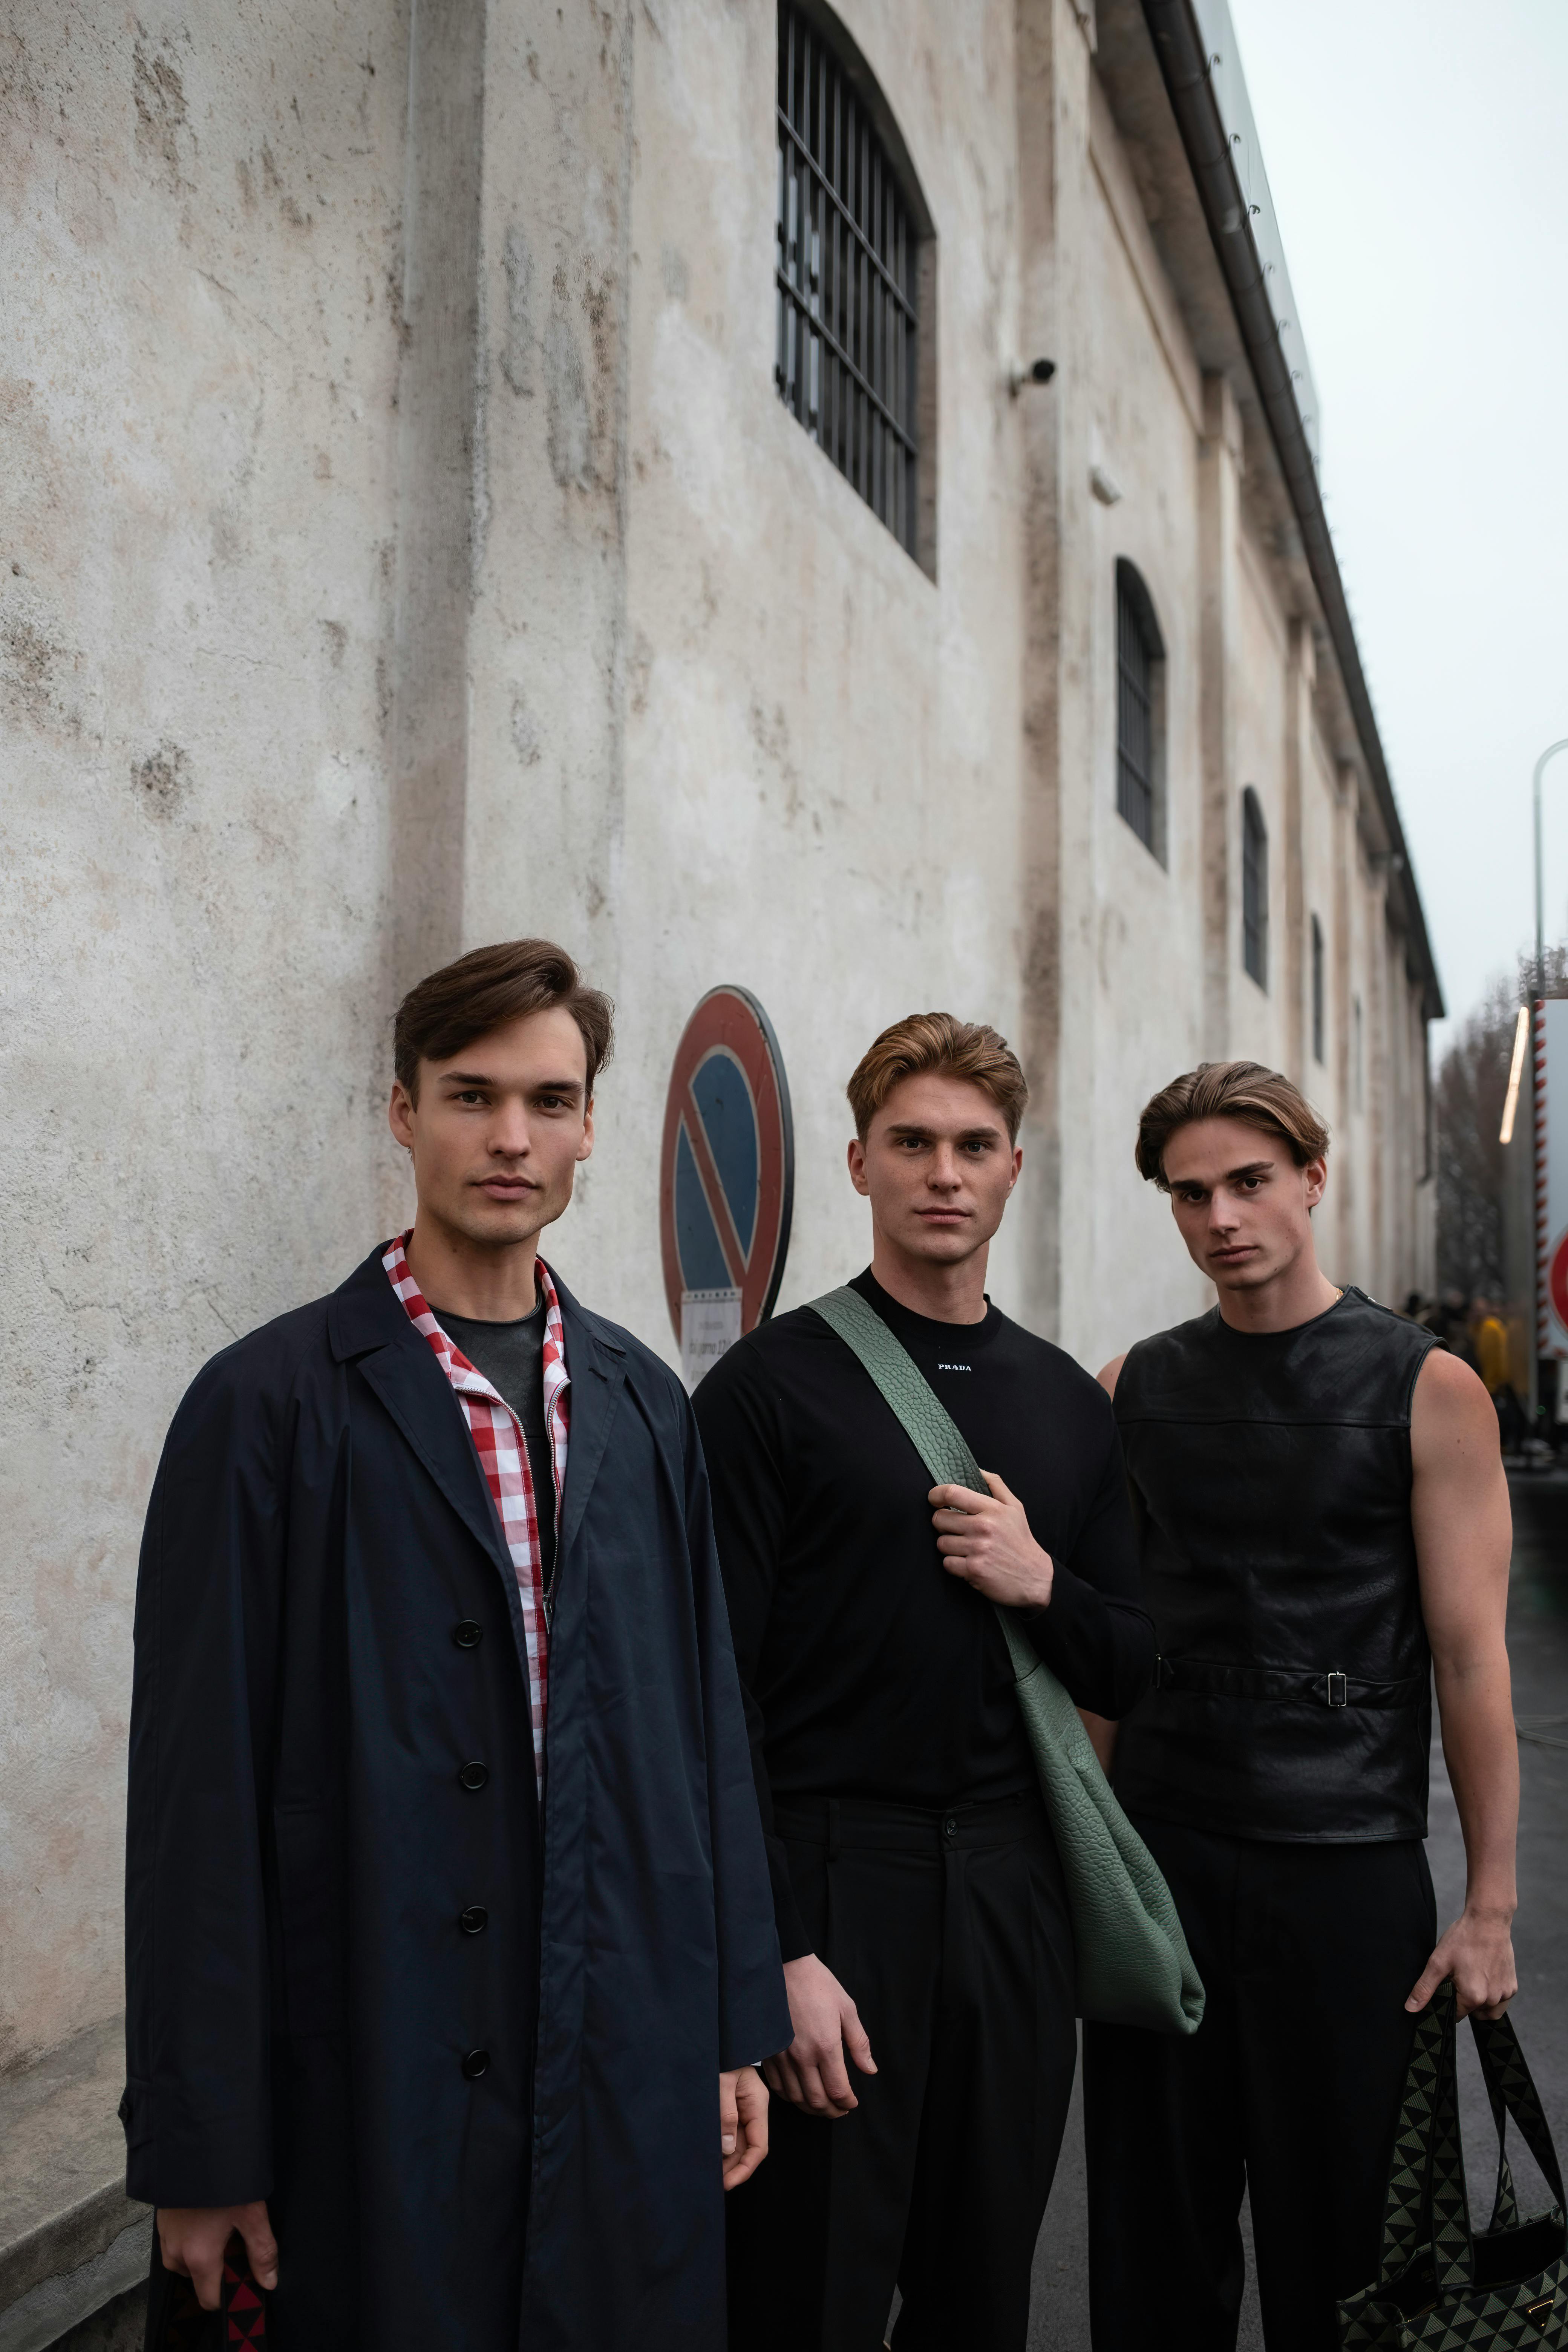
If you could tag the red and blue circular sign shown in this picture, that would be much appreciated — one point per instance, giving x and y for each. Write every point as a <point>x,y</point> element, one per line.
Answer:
<point>1557,1279</point>
<point>726,1169</point>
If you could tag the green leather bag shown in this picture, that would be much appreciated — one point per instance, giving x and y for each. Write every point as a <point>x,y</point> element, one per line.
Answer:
<point>1134,1965</point>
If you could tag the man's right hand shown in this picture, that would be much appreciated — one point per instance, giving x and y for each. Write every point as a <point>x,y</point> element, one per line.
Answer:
<point>192,2239</point>
<point>811,2074</point>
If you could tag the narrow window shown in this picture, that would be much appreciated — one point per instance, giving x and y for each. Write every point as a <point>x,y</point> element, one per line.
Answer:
<point>1357,1052</point>
<point>1254,888</point>
<point>853,237</point>
<point>1139,711</point>
<point>1317,990</point>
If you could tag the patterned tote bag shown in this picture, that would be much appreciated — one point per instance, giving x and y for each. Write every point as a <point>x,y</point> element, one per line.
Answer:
<point>1442,2287</point>
<point>177,2322</point>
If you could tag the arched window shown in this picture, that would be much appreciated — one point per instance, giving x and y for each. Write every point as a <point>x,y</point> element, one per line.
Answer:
<point>853,274</point>
<point>1317,990</point>
<point>1254,888</point>
<point>1140,712</point>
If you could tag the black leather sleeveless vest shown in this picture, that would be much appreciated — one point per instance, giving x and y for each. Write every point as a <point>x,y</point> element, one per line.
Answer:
<point>1271,1476</point>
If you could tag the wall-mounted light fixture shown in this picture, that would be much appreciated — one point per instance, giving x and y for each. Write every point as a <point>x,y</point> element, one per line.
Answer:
<point>1036,372</point>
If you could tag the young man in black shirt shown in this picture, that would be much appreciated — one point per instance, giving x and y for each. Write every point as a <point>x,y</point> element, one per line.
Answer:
<point>920,1901</point>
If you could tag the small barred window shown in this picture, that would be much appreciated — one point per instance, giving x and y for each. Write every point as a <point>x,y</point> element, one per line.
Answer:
<point>1254,888</point>
<point>848,280</point>
<point>1139,711</point>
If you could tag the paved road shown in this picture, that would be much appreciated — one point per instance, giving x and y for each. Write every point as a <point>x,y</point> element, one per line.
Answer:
<point>1537,1643</point>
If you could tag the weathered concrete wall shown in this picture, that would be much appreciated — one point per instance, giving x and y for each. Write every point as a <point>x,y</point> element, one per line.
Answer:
<point>405,546</point>
<point>823,744</point>
<point>200,322</point>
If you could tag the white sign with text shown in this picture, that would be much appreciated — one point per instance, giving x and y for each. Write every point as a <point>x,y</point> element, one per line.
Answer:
<point>709,1322</point>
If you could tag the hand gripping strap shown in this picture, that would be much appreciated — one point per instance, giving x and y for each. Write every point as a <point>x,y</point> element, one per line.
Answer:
<point>930,1427</point>
<point>1428,2089</point>
<point>1134,1965</point>
<point>1427,2204</point>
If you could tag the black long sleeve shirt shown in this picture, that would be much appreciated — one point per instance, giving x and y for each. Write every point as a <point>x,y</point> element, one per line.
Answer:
<point>868,1670</point>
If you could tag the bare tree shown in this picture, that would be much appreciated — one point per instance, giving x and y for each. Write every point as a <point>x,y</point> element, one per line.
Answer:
<point>1472,1082</point>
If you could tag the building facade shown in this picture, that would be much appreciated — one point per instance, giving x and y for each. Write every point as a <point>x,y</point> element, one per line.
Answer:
<point>474,470</point>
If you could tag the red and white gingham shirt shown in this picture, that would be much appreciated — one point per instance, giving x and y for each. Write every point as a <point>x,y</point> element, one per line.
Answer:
<point>502,1450</point>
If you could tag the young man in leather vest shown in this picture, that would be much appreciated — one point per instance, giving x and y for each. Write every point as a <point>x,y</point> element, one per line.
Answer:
<point>919,1897</point>
<point>448,1922</point>
<point>1323,1523</point>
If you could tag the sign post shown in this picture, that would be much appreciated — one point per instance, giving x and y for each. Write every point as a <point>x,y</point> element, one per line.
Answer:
<point>726,1183</point>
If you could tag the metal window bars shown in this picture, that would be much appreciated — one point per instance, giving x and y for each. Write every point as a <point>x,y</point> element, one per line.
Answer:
<point>1134,717</point>
<point>844,271</point>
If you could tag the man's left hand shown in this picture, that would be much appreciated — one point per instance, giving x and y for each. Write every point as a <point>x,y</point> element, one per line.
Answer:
<point>985,1540</point>
<point>742,2124</point>
<point>1478,1952</point>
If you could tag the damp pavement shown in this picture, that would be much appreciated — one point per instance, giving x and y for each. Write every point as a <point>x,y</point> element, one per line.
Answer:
<point>1538,1646</point>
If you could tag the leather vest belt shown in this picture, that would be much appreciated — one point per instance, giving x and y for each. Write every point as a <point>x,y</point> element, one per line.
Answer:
<point>1271,1481</point>
<point>1209,1678</point>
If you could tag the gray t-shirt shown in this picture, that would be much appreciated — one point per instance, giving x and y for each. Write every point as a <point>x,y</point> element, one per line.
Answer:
<point>511,1358</point>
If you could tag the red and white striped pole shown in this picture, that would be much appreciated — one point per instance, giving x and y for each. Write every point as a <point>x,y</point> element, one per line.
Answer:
<point>1542,1238</point>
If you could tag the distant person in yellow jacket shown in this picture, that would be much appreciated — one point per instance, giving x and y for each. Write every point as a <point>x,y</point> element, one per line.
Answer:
<point>1489,1334</point>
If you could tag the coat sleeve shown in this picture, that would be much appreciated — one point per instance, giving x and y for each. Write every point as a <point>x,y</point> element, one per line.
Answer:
<point>197,2108</point>
<point>754,2010</point>
<point>738,1420</point>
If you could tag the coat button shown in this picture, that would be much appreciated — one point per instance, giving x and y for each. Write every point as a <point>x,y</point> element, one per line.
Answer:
<point>473,1776</point>
<point>467,1635</point>
<point>474,2064</point>
<point>951,1827</point>
<point>474,1920</point>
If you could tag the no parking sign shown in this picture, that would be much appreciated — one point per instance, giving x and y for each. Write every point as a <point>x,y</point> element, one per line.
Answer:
<point>726,1177</point>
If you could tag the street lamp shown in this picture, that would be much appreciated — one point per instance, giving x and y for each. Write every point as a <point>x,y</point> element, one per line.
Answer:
<point>1551,751</point>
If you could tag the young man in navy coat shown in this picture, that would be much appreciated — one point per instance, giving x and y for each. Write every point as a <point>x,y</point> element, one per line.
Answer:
<point>449,1941</point>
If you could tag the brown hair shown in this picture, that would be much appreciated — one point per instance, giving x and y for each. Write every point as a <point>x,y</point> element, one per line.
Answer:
<point>467,999</point>
<point>1242,1090</point>
<point>936,1043</point>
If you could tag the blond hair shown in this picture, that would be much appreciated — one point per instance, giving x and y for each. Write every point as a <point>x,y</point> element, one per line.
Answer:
<point>935,1044</point>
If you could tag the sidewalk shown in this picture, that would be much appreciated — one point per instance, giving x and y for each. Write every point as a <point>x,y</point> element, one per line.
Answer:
<point>1538,1646</point>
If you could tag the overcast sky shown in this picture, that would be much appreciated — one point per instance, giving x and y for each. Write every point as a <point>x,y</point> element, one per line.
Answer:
<point>1417,152</point>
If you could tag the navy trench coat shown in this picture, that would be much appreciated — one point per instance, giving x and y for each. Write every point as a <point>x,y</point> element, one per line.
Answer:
<point>332,1919</point>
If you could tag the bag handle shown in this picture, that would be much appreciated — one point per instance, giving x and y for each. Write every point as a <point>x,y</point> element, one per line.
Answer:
<point>1513,2093</point>
<point>1426,2206</point>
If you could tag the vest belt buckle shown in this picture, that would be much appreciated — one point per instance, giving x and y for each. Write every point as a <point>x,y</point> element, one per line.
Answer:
<point>1338,1690</point>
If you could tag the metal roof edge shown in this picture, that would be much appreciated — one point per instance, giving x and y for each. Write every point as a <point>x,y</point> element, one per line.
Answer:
<point>1184,65</point>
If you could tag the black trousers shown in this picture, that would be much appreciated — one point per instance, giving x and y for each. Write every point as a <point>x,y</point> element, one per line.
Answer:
<point>1290,2085</point>
<point>950,1933</point>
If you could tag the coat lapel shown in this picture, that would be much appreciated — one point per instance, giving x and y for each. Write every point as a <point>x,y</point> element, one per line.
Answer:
<point>367,1323</point>
<point>597,1365</point>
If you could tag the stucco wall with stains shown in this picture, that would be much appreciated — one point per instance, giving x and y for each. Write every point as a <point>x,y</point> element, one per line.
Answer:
<point>404,545</point>
<point>200,292</point>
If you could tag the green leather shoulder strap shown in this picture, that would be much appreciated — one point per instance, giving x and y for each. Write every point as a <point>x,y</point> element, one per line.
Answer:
<point>931,1429</point>
<point>936,1437</point>
<point>1134,1965</point>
